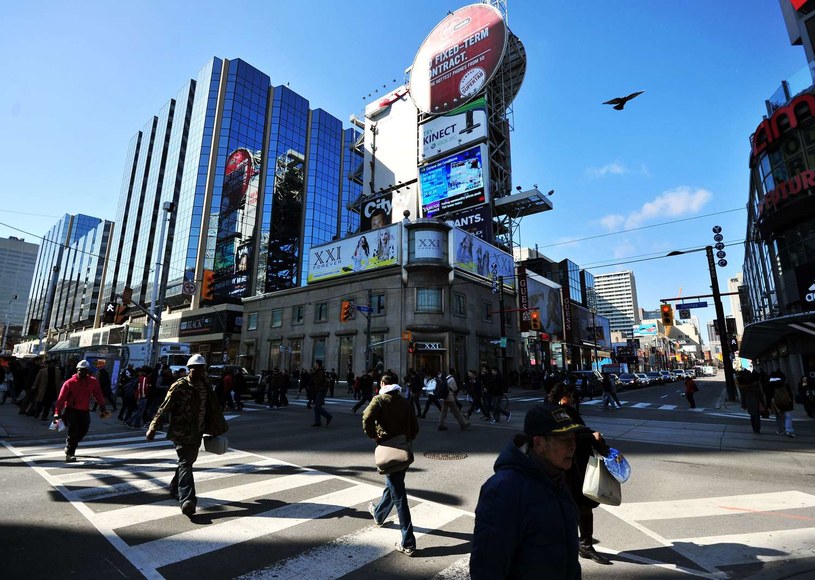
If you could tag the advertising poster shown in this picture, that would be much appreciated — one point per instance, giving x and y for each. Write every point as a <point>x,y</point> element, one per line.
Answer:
<point>458,58</point>
<point>453,130</point>
<point>369,251</point>
<point>545,296</point>
<point>480,258</point>
<point>234,244</point>
<point>649,329</point>
<point>805,276</point>
<point>454,183</point>
<point>376,213</point>
<point>476,221</point>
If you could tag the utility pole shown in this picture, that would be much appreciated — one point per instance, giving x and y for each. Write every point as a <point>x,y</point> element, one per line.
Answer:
<point>503,327</point>
<point>721,327</point>
<point>368,352</point>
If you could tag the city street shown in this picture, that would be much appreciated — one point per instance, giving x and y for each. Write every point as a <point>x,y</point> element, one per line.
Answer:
<point>707,498</point>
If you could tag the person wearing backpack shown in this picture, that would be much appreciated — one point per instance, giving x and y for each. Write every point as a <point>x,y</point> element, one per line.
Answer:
<point>781,404</point>
<point>446,390</point>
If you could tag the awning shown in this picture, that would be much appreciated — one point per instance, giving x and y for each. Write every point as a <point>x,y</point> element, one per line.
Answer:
<point>61,346</point>
<point>760,337</point>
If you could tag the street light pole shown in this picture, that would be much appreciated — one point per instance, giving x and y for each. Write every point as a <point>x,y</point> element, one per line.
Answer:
<point>5,326</point>
<point>593,308</point>
<point>722,327</point>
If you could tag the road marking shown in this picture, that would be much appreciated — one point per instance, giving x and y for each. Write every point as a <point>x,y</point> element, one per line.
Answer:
<point>667,407</point>
<point>641,405</point>
<point>734,549</point>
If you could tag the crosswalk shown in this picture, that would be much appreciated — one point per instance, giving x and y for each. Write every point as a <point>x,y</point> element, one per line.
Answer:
<point>626,405</point>
<point>258,517</point>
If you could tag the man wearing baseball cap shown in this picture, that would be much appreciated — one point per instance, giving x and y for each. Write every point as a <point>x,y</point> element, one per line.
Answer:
<point>194,410</point>
<point>526,520</point>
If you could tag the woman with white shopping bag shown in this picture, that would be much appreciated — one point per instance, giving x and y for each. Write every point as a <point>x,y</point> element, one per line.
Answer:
<point>588,441</point>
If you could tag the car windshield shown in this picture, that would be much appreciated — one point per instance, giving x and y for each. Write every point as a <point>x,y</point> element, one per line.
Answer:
<point>627,376</point>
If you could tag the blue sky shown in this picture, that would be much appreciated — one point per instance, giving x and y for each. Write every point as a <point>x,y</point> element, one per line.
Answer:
<point>80,78</point>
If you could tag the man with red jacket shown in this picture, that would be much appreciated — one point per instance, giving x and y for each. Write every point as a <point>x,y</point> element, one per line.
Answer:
<point>73,405</point>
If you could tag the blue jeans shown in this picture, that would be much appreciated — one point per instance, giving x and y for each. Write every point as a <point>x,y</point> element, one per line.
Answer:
<point>395,495</point>
<point>319,408</point>
<point>183,483</point>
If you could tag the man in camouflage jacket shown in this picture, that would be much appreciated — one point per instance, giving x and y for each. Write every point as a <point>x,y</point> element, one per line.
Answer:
<point>194,410</point>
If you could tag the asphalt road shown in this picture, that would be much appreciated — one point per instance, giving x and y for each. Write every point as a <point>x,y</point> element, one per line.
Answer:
<point>707,497</point>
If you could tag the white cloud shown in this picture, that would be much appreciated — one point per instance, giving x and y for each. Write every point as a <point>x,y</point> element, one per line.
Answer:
<point>674,203</point>
<point>615,168</point>
<point>624,250</point>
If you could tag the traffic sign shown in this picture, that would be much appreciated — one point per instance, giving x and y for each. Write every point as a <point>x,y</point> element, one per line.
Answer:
<point>684,313</point>
<point>688,305</point>
<point>188,287</point>
<point>365,309</point>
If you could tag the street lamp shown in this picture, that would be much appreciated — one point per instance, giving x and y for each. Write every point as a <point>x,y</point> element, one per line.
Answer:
<point>593,307</point>
<point>5,326</point>
<point>720,323</point>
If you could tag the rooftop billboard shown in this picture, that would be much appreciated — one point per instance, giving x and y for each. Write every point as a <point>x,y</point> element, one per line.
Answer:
<point>476,256</point>
<point>454,183</point>
<point>458,58</point>
<point>454,130</point>
<point>374,249</point>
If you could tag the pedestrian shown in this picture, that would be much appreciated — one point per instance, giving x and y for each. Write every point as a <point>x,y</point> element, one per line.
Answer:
<point>331,377</point>
<point>141,396</point>
<point>431,386</point>
<point>690,389</point>
<point>448,399</point>
<point>587,441</point>
<point>610,393</point>
<point>498,390</point>
<point>526,519</point>
<point>415,386</point>
<point>781,403</point>
<point>389,415</point>
<point>73,406</point>
<point>806,394</point>
<point>128,390</point>
<point>474,390</point>
<point>751,399</point>
<point>349,380</point>
<point>46,388</point>
<point>271,383</point>
<point>283,388</point>
<point>366,390</point>
<point>194,410</point>
<point>319,387</point>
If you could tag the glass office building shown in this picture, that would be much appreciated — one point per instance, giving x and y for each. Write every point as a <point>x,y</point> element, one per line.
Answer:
<point>255,178</point>
<point>17,260</point>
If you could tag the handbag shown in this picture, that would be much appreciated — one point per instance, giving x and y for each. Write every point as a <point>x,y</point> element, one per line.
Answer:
<point>599,485</point>
<point>216,444</point>
<point>393,455</point>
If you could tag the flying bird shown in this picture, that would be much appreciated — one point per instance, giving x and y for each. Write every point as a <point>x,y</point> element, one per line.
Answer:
<point>619,102</point>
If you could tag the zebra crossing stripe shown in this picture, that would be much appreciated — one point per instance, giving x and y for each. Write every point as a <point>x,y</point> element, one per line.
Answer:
<point>458,570</point>
<point>641,405</point>
<point>194,543</point>
<point>169,508</point>
<point>56,447</point>
<point>352,551</point>
<point>735,549</point>
<point>667,407</point>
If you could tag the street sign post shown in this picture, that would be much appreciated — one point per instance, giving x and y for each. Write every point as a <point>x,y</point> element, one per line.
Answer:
<point>689,305</point>
<point>365,309</point>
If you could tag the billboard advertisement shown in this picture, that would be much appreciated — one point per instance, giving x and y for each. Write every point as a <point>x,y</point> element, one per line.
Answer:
<point>453,130</point>
<point>476,221</point>
<point>480,258</point>
<point>545,295</point>
<point>234,242</point>
<point>649,329</point>
<point>458,58</point>
<point>375,213</point>
<point>454,183</point>
<point>375,249</point>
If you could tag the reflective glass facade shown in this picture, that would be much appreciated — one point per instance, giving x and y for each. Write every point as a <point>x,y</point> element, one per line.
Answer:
<point>17,261</point>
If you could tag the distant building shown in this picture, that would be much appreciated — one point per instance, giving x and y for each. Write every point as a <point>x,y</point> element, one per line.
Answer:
<point>17,260</point>
<point>617,300</point>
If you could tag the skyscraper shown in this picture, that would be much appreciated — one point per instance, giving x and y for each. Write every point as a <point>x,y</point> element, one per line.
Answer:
<point>254,178</point>
<point>617,300</point>
<point>17,260</point>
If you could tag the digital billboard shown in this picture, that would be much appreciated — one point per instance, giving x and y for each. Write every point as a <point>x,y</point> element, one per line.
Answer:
<point>374,249</point>
<point>454,183</point>
<point>649,329</point>
<point>476,256</point>
<point>458,58</point>
<point>376,213</point>
<point>453,130</point>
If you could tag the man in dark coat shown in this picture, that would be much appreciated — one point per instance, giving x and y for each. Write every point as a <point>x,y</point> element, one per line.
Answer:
<point>526,520</point>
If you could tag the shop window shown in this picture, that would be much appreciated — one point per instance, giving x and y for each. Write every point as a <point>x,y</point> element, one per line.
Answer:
<point>486,311</point>
<point>378,304</point>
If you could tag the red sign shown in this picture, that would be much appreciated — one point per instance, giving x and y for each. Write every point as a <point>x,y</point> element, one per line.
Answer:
<point>801,182</point>
<point>458,58</point>
<point>770,130</point>
<point>798,4</point>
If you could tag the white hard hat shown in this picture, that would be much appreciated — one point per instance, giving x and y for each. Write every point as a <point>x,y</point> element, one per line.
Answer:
<point>83,364</point>
<point>196,360</point>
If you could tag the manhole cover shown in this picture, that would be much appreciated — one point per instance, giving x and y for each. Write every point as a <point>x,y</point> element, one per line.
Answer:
<point>445,456</point>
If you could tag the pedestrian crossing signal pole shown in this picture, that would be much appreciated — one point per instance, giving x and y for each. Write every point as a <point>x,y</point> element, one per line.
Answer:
<point>503,327</point>
<point>368,352</point>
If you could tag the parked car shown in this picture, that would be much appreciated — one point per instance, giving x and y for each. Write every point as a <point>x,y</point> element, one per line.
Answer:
<point>680,374</point>
<point>252,381</point>
<point>667,376</point>
<point>628,380</point>
<point>642,379</point>
<point>655,377</point>
<point>589,382</point>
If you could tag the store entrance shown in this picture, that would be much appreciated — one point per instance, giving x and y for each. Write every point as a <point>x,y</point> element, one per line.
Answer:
<point>428,362</point>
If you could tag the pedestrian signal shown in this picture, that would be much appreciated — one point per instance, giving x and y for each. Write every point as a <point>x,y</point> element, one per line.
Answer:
<point>535,320</point>
<point>110,313</point>
<point>412,347</point>
<point>346,311</point>
<point>208,286</point>
<point>667,314</point>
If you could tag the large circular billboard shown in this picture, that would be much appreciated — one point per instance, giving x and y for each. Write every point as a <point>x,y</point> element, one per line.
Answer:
<point>458,58</point>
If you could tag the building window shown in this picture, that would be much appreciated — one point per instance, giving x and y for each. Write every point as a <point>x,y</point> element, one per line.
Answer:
<point>459,304</point>
<point>295,353</point>
<point>321,312</point>
<point>486,311</point>
<point>346,353</point>
<point>252,321</point>
<point>429,300</point>
<point>378,304</point>
<point>297,315</point>
<point>378,352</point>
<point>274,353</point>
<point>318,352</point>
<point>277,318</point>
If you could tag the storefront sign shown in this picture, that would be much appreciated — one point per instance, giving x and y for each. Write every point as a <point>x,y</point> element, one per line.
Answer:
<point>806,286</point>
<point>786,189</point>
<point>770,130</point>
<point>523,298</point>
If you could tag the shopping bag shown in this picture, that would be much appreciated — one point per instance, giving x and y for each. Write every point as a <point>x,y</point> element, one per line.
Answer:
<point>217,445</point>
<point>57,425</point>
<point>617,465</point>
<point>393,455</point>
<point>599,485</point>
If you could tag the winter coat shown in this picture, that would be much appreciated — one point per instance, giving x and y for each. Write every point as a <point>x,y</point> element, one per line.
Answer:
<point>183,404</point>
<point>76,394</point>
<point>389,415</point>
<point>525,523</point>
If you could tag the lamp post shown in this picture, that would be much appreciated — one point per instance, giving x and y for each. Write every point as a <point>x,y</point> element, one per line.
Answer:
<point>720,323</point>
<point>593,307</point>
<point>5,326</point>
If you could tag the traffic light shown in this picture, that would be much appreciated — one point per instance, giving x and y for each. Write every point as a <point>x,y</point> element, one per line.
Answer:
<point>110,313</point>
<point>535,320</point>
<point>411,347</point>
<point>667,314</point>
<point>346,311</point>
<point>208,286</point>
